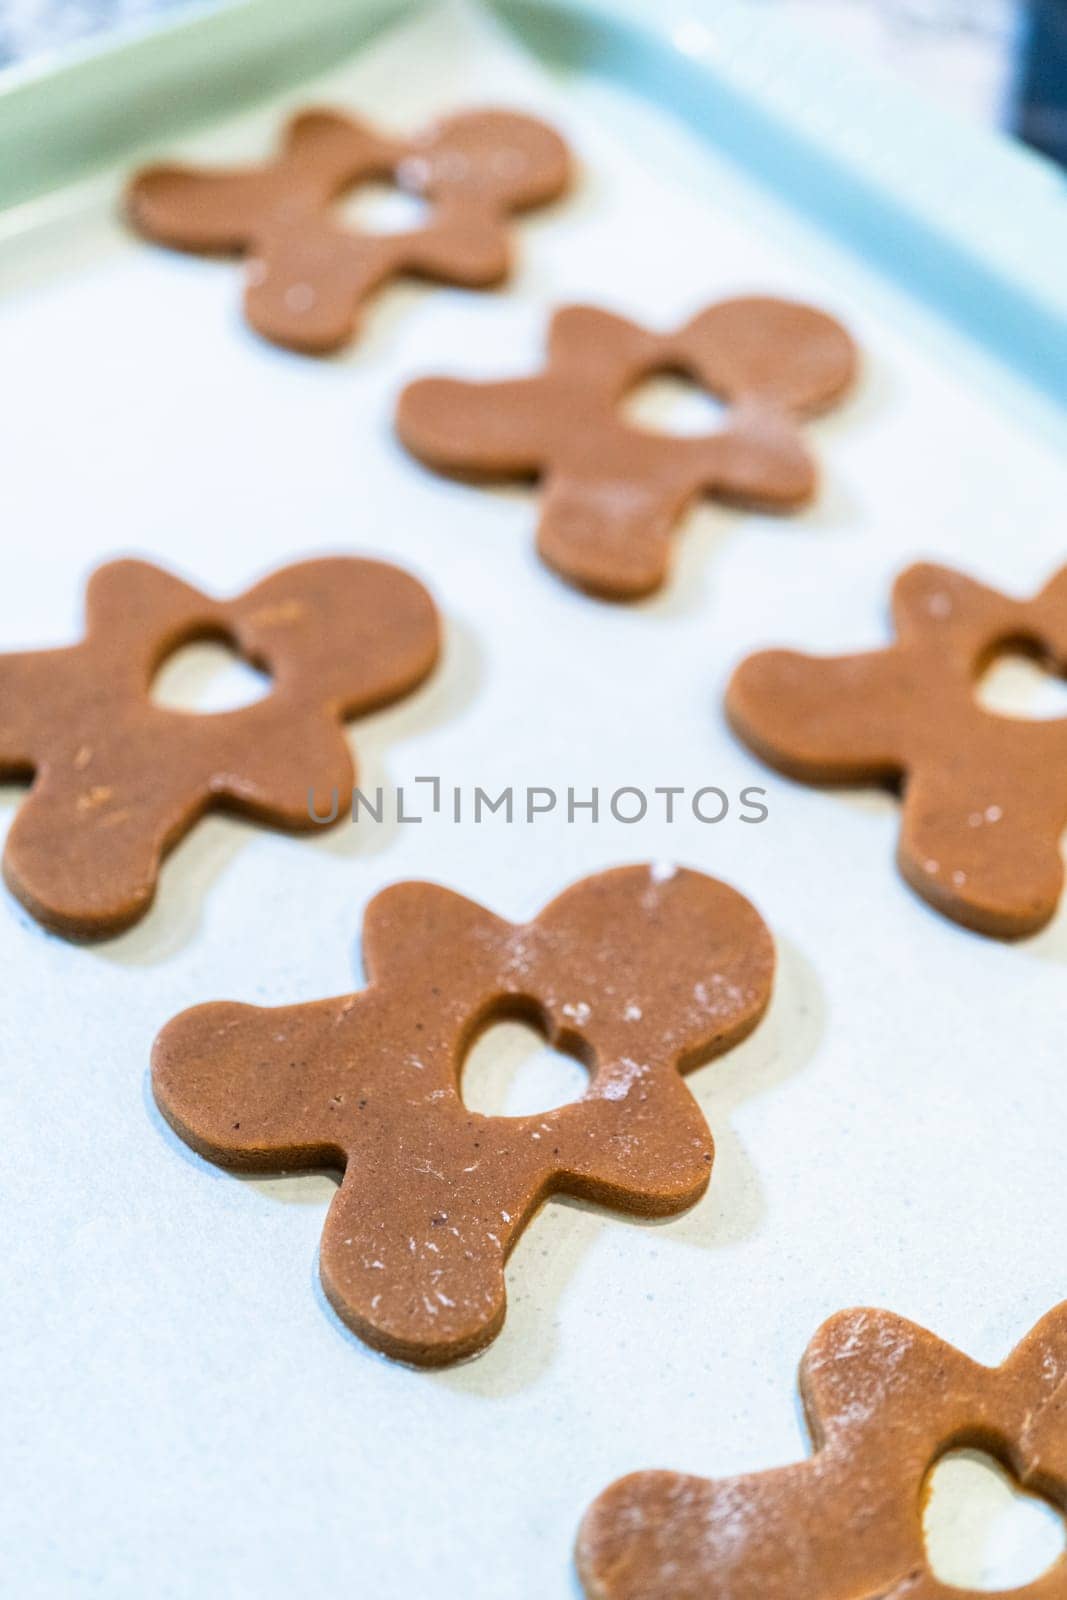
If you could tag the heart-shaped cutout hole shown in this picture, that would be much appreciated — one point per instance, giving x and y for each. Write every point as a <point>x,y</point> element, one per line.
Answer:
<point>982,1531</point>
<point>381,208</point>
<point>672,404</point>
<point>1021,683</point>
<point>512,1071</point>
<point>206,678</point>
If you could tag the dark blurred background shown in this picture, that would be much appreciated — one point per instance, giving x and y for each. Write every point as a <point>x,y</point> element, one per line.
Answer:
<point>1041,104</point>
<point>1001,62</point>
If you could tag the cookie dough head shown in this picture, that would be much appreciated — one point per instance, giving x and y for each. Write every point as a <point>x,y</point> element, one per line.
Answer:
<point>773,352</point>
<point>505,161</point>
<point>642,976</point>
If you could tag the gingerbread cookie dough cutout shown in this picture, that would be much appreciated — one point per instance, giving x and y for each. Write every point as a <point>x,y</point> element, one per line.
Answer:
<point>308,275</point>
<point>615,492</point>
<point>642,976</point>
<point>118,780</point>
<point>984,796</point>
<point>884,1400</point>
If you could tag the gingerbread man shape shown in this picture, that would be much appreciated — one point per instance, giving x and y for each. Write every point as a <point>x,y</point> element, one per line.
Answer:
<point>308,275</point>
<point>613,492</point>
<point>985,796</point>
<point>118,779</point>
<point>640,975</point>
<point>884,1400</point>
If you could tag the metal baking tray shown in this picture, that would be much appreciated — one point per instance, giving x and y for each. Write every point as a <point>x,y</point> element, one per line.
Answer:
<point>184,1415</point>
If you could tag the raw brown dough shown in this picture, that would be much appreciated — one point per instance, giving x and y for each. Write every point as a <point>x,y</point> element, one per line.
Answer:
<point>885,1400</point>
<point>308,274</point>
<point>615,492</point>
<point>643,974</point>
<point>985,796</point>
<point>118,779</point>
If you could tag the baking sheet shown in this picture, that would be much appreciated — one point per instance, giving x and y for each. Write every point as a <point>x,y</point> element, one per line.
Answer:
<point>183,1413</point>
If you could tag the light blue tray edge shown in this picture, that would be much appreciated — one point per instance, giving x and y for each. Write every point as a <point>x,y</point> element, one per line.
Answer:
<point>964,219</point>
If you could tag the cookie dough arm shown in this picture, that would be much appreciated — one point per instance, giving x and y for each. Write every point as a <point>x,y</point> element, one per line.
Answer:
<point>638,1142</point>
<point>328,148</point>
<point>139,613</point>
<point>460,247</point>
<point>190,209</point>
<point>587,345</point>
<point>294,768</point>
<point>839,720</point>
<point>494,430</point>
<point>948,615</point>
<point>760,461</point>
<point>250,1087</point>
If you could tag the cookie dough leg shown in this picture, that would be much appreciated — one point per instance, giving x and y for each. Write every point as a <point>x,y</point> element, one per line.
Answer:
<point>984,848</point>
<point>84,857</point>
<point>611,537</point>
<point>411,1264</point>
<point>306,286</point>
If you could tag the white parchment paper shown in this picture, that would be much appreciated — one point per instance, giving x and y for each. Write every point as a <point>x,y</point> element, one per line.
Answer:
<point>183,1415</point>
